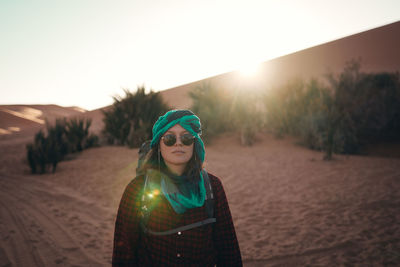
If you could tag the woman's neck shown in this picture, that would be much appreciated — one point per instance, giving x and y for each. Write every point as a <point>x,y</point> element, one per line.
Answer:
<point>176,169</point>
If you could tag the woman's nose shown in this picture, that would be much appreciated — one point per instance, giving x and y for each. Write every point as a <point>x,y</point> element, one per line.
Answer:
<point>178,141</point>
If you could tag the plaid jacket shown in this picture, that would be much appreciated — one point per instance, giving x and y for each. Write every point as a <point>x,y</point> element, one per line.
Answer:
<point>208,245</point>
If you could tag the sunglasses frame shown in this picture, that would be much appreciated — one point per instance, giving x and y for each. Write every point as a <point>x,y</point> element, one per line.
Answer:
<point>190,140</point>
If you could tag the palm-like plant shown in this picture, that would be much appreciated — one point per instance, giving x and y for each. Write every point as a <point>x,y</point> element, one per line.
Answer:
<point>130,120</point>
<point>62,138</point>
<point>77,131</point>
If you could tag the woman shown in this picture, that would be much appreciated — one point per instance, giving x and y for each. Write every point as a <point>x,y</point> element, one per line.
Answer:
<point>174,213</point>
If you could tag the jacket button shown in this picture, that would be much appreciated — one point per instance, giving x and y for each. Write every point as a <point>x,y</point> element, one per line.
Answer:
<point>179,233</point>
<point>178,255</point>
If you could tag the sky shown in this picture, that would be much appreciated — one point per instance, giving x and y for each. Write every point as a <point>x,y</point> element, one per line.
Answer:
<point>84,52</point>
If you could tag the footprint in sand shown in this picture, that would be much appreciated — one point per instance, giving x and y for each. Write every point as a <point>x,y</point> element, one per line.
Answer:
<point>71,249</point>
<point>4,260</point>
<point>86,234</point>
<point>74,218</point>
<point>59,261</point>
<point>92,244</point>
<point>261,244</point>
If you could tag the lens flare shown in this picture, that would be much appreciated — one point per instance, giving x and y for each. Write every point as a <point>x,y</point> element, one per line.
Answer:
<point>154,193</point>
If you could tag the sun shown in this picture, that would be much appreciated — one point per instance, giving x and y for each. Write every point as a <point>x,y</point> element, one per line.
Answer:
<point>249,69</point>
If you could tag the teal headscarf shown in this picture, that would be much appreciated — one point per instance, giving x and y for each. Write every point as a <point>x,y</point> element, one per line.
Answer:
<point>183,194</point>
<point>180,191</point>
<point>184,118</point>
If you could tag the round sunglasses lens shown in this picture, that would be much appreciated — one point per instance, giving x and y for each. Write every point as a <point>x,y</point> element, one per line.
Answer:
<point>187,139</point>
<point>169,139</point>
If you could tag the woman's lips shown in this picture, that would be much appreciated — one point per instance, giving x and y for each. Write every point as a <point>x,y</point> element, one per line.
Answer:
<point>178,152</point>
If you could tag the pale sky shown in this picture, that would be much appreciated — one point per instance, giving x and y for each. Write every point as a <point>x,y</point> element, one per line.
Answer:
<point>81,52</point>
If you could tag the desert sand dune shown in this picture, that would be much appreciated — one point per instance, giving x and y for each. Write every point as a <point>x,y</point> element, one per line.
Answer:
<point>377,49</point>
<point>19,123</point>
<point>42,112</point>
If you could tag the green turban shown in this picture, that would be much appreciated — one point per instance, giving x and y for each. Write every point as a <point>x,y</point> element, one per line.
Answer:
<point>184,118</point>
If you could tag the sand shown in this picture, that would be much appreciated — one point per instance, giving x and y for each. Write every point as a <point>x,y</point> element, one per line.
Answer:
<point>290,208</point>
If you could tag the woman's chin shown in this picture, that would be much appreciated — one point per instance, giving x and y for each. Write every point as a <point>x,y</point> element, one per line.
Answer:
<point>178,161</point>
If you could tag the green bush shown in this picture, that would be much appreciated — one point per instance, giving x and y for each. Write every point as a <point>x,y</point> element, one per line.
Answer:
<point>284,106</point>
<point>35,153</point>
<point>57,141</point>
<point>221,110</point>
<point>62,138</point>
<point>246,115</point>
<point>213,107</point>
<point>131,118</point>
<point>307,110</point>
<point>31,157</point>
<point>77,133</point>
<point>91,141</point>
<point>369,106</point>
<point>353,110</point>
<point>40,154</point>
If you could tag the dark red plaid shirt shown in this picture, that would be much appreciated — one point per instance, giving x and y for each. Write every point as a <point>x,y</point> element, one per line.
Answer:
<point>208,245</point>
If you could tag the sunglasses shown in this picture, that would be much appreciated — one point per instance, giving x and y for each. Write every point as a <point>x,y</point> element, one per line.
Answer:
<point>170,139</point>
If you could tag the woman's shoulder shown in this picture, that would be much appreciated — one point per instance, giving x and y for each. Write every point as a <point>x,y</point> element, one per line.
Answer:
<point>217,187</point>
<point>135,185</point>
<point>214,180</point>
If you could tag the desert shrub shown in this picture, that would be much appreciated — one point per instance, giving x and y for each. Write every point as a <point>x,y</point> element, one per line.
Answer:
<point>130,120</point>
<point>35,154</point>
<point>246,115</point>
<point>221,110</point>
<point>31,157</point>
<point>285,106</point>
<point>62,138</point>
<point>309,111</point>
<point>353,110</point>
<point>91,141</point>
<point>57,142</point>
<point>213,106</point>
<point>369,104</point>
<point>312,132</point>
<point>77,133</point>
<point>40,154</point>
<point>116,129</point>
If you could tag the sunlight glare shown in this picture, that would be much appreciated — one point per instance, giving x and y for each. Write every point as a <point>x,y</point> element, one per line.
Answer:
<point>249,69</point>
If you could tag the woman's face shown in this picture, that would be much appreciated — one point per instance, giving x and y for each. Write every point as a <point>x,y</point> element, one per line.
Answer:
<point>178,155</point>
